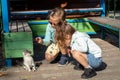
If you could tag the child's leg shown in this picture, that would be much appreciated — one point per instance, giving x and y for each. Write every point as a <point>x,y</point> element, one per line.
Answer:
<point>82,59</point>
<point>64,57</point>
<point>94,62</point>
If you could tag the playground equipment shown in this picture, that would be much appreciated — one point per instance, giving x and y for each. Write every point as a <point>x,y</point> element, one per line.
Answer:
<point>38,26</point>
<point>15,42</point>
<point>80,7</point>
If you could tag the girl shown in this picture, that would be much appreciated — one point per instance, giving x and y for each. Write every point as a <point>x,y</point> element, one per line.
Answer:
<point>56,18</point>
<point>82,48</point>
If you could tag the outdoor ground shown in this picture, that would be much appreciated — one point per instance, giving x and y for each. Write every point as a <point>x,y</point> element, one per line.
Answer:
<point>47,71</point>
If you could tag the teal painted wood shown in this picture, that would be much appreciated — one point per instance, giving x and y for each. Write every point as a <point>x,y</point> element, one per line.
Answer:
<point>34,22</point>
<point>68,11</point>
<point>110,24</point>
<point>38,27</point>
<point>102,5</point>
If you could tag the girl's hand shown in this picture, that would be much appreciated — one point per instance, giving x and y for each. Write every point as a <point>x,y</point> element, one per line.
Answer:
<point>69,51</point>
<point>39,40</point>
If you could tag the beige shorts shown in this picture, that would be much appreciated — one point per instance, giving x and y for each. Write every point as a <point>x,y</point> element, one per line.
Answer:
<point>52,51</point>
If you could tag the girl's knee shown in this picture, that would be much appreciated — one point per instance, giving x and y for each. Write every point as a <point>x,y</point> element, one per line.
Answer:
<point>49,57</point>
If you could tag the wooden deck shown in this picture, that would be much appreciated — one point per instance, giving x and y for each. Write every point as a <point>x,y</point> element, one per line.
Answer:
<point>19,26</point>
<point>47,71</point>
<point>114,23</point>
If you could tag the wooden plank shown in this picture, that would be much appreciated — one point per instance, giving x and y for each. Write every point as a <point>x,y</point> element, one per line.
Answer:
<point>111,56</point>
<point>19,26</point>
<point>107,21</point>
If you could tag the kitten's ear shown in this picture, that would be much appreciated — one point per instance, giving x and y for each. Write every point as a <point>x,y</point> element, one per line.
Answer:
<point>30,52</point>
<point>23,53</point>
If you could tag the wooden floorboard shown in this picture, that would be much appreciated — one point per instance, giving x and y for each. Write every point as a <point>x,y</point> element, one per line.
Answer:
<point>47,71</point>
<point>19,26</point>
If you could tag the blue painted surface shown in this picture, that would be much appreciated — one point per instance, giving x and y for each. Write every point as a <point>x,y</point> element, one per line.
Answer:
<point>5,12</point>
<point>68,20</point>
<point>8,62</point>
<point>104,25</point>
<point>102,5</point>
<point>45,12</point>
<point>83,10</point>
<point>68,11</point>
<point>29,12</point>
<point>5,18</point>
<point>109,27</point>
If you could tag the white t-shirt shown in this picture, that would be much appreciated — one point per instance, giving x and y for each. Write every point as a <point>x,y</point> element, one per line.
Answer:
<point>82,42</point>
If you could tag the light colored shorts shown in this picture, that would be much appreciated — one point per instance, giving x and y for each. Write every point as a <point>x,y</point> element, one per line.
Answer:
<point>52,51</point>
<point>94,62</point>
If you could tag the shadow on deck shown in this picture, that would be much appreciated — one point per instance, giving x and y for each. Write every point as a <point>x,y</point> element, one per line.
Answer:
<point>47,71</point>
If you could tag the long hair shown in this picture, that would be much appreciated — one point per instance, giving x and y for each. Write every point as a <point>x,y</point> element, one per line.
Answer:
<point>58,12</point>
<point>65,29</point>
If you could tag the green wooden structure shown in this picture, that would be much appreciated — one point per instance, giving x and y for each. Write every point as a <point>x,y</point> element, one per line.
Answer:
<point>15,43</point>
<point>38,27</point>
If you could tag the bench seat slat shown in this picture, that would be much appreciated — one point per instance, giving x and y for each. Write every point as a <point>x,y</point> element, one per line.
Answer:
<point>106,21</point>
<point>46,11</point>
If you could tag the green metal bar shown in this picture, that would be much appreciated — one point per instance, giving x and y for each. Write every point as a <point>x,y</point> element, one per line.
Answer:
<point>115,9</point>
<point>108,7</point>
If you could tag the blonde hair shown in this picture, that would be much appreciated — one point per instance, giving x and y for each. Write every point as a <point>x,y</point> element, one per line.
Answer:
<point>58,12</point>
<point>65,29</point>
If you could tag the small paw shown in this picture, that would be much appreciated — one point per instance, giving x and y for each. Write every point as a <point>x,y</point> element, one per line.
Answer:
<point>29,70</point>
<point>34,69</point>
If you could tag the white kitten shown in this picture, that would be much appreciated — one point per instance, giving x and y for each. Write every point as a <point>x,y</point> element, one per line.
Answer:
<point>28,61</point>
